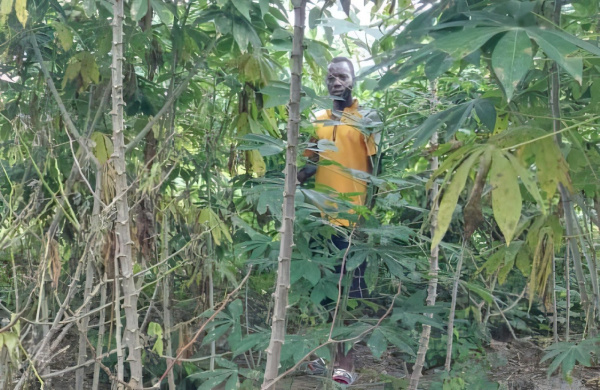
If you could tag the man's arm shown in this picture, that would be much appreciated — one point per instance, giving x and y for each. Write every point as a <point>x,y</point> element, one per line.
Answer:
<point>310,168</point>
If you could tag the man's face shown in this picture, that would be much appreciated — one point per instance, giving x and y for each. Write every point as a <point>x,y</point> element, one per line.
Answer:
<point>340,80</point>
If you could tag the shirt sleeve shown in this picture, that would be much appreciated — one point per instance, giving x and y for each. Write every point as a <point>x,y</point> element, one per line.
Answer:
<point>370,145</point>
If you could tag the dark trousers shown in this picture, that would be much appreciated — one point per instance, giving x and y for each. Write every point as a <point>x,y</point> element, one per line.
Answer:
<point>358,288</point>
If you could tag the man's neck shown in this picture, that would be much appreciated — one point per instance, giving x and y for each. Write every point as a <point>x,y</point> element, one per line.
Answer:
<point>340,105</point>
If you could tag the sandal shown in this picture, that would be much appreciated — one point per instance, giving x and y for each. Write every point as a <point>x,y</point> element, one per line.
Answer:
<point>316,367</point>
<point>344,377</point>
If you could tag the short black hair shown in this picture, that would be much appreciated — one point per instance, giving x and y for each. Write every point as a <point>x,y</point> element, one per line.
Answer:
<point>337,60</point>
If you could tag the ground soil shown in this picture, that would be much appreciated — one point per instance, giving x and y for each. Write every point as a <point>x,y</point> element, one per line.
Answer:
<point>507,365</point>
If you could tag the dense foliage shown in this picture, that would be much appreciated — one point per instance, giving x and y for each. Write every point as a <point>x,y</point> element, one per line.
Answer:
<point>489,153</point>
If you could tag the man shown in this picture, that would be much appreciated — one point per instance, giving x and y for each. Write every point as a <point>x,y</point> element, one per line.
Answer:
<point>349,149</point>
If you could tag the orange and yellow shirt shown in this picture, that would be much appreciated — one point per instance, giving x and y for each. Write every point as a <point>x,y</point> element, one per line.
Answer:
<point>350,149</point>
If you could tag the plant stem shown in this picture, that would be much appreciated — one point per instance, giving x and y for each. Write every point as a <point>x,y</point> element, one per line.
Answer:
<point>287,232</point>
<point>453,307</point>
<point>167,299</point>
<point>433,269</point>
<point>123,242</point>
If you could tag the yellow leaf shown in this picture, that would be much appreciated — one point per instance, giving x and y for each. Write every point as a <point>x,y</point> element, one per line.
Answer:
<point>64,35</point>
<point>103,148</point>
<point>6,7</point>
<point>528,181</point>
<point>89,70</point>
<point>506,195</point>
<point>255,163</point>
<point>21,11</point>
<point>71,73</point>
<point>451,194</point>
<point>501,123</point>
<point>552,167</point>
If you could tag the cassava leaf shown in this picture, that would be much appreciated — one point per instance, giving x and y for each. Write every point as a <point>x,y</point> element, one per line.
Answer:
<point>139,8</point>
<point>450,198</point>
<point>377,343</point>
<point>462,43</point>
<point>506,195</point>
<point>511,59</point>
<point>558,50</point>
<point>527,179</point>
<point>21,11</point>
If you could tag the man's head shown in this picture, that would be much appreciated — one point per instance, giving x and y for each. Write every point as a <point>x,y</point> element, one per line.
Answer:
<point>340,77</point>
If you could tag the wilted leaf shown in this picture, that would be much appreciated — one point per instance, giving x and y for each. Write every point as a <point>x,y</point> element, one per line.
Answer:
<point>55,262</point>
<point>472,212</point>
<point>511,59</point>
<point>451,194</point>
<point>506,195</point>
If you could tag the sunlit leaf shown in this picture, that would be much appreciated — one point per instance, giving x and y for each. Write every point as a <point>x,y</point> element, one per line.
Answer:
<point>139,8</point>
<point>64,35</point>
<point>21,11</point>
<point>506,195</point>
<point>450,198</point>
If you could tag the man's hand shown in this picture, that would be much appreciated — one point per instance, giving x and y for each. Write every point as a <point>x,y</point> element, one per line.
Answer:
<point>306,173</point>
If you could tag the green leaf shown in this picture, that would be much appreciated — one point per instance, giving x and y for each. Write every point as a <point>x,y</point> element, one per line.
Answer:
<point>243,6</point>
<point>437,65</point>
<point>509,261</point>
<point>558,49</point>
<point>486,111</point>
<point>506,195</point>
<point>64,35</point>
<point>482,292</point>
<point>89,7</point>
<point>523,261</point>
<point>163,11</point>
<point>241,36</point>
<point>511,59</point>
<point>139,8</point>
<point>462,43</point>
<point>233,382</point>
<point>158,346</point>
<point>155,330</point>
<point>377,343</point>
<point>450,199</point>
<point>211,383</point>
<point>215,333</point>
<point>566,354</point>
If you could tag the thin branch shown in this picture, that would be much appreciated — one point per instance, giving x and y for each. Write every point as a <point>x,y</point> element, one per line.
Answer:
<point>199,332</point>
<point>61,106</point>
